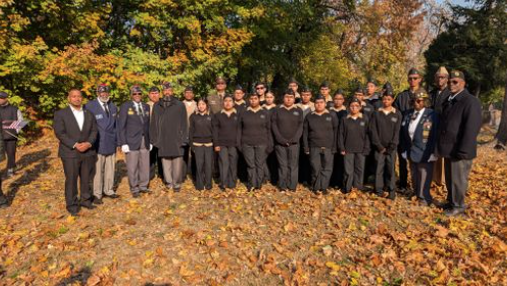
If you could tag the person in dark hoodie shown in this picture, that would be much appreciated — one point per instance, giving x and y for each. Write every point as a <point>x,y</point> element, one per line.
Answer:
<point>255,140</point>
<point>225,140</point>
<point>169,133</point>
<point>287,126</point>
<point>319,142</point>
<point>201,141</point>
<point>419,136</point>
<point>385,129</point>
<point>354,144</point>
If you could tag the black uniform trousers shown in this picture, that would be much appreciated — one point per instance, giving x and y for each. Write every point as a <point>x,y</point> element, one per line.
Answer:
<point>338,169</point>
<point>288,168</point>
<point>384,174</point>
<point>81,168</point>
<point>271,168</point>
<point>228,166</point>
<point>255,157</point>
<point>354,171</point>
<point>305,170</point>
<point>321,161</point>
<point>156,165</point>
<point>203,162</point>
<point>403,169</point>
<point>188,163</point>
<point>10,149</point>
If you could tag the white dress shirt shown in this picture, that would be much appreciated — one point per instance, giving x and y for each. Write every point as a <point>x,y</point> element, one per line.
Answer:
<point>79,115</point>
<point>413,123</point>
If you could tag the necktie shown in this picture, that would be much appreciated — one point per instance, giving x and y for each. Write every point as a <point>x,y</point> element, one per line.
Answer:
<point>140,111</point>
<point>106,109</point>
<point>414,116</point>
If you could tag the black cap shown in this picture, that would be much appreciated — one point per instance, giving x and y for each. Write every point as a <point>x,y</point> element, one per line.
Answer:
<point>457,74</point>
<point>228,96</point>
<point>324,84</point>
<point>413,71</point>
<point>388,89</point>
<point>354,99</point>
<point>154,89</point>
<point>293,80</point>
<point>359,90</point>
<point>3,95</point>
<point>220,79</point>
<point>371,80</point>
<point>239,87</point>
<point>319,97</point>
<point>166,85</point>
<point>339,91</point>
<point>289,92</point>
<point>136,89</point>
<point>189,88</point>
<point>306,89</point>
<point>103,88</point>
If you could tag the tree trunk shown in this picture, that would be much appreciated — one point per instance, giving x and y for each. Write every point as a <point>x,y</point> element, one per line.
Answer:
<point>501,135</point>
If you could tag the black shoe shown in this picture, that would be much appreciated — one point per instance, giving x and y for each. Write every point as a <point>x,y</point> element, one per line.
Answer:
<point>113,196</point>
<point>146,191</point>
<point>454,212</point>
<point>177,190</point>
<point>4,205</point>
<point>97,201</point>
<point>292,190</point>
<point>73,214</point>
<point>90,206</point>
<point>346,191</point>
<point>379,193</point>
<point>136,195</point>
<point>392,195</point>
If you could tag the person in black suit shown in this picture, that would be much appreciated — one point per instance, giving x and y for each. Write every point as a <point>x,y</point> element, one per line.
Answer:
<point>461,121</point>
<point>134,139</point>
<point>76,129</point>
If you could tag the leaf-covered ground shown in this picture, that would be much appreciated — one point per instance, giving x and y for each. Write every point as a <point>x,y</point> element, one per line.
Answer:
<point>240,238</point>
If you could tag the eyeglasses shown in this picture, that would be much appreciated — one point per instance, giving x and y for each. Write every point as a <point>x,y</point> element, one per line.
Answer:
<point>441,77</point>
<point>454,82</point>
<point>137,93</point>
<point>413,78</point>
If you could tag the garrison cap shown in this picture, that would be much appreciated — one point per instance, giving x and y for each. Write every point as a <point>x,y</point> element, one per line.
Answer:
<point>166,85</point>
<point>359,90</point>
<point>413,71</point>
<point>457,74</point>
<point>354,99</point>
<point>289,92</point>
<point>305,89</point>
<point>442,71</point>
<point>239,87</point>
<point>136,89</point>
<point>421,94</point>
<point>3,95</point>
<point>338,91</point>
<point>324,85</point>
<point>189,88</point>
<point>371,80</point>
<point>154,89</point>
<point>103,88</point>
<point>293,80</point>
<point>319,97</point>
<point>388,89</point>
<point>220,79</point>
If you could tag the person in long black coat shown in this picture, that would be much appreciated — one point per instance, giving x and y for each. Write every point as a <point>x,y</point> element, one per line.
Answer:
<point>461,122</point>
<point>169,133</point>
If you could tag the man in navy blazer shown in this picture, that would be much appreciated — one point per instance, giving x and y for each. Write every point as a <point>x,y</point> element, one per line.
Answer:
<point>105,113</point>
<point>76,130</point>
<point>134,139</point>
<point>419,130</point>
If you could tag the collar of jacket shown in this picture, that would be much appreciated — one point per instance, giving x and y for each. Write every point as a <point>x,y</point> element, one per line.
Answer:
<point>458,96</point>
<point>229,112</point>
<point>323,112</point>
<point>338,109</point>
<point>240,102</point>
<point>268,107</point>
<point>202,114</point>
<point>288,108</point>
<point>259,108</point>
<point>386,112</point>
<point>359,115</point>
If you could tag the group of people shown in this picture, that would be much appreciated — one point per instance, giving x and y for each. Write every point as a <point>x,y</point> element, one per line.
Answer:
<point>329,142</point>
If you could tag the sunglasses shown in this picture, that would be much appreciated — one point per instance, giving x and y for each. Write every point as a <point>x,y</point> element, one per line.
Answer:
<point>419,100</point>
<point>454,82</point>
<point>413,78</point>
<point>137,93</point>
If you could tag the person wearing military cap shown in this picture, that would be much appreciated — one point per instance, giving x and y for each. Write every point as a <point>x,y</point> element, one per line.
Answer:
<point>419,133</point>
<point>134,139</point>
<point>306,103</point>
<point>155,162</point>
<point>105,112</point>
<point>191,108</point>
<point>216,97</point>
<point>169,133</point>
<point>325,91</point>
<point>9,115</point>
<point>287,126</point>
<point>340,110</point>
<point>294,85</point>
<point>271,166</point>
<point>353,145</point>
<point>461,121</point>
<point>319,142</point>
<point>403,104</point>
<point>255,141</point>
<point>366,108</point>
<point>438,96</point>
<point>76,129</point>
<point>372,96</point>
<point>225,141</point>
<point>201,140</point>
<point>239,99</point>
<point>384,131</point>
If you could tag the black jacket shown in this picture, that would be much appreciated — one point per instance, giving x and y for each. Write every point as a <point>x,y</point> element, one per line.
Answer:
<point>169,127</point>
<point>403,101</point>
<point>422,146</point>
<point>385,130</point>
<point>438,98</point>
<point>354,135</point>
<point>131,128</point>
<point>287,125</point>
<point>460,124</point>
<point>201,128</point>
<point>225,129</point>
<point>319,131</point>
<point>68,133</point>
